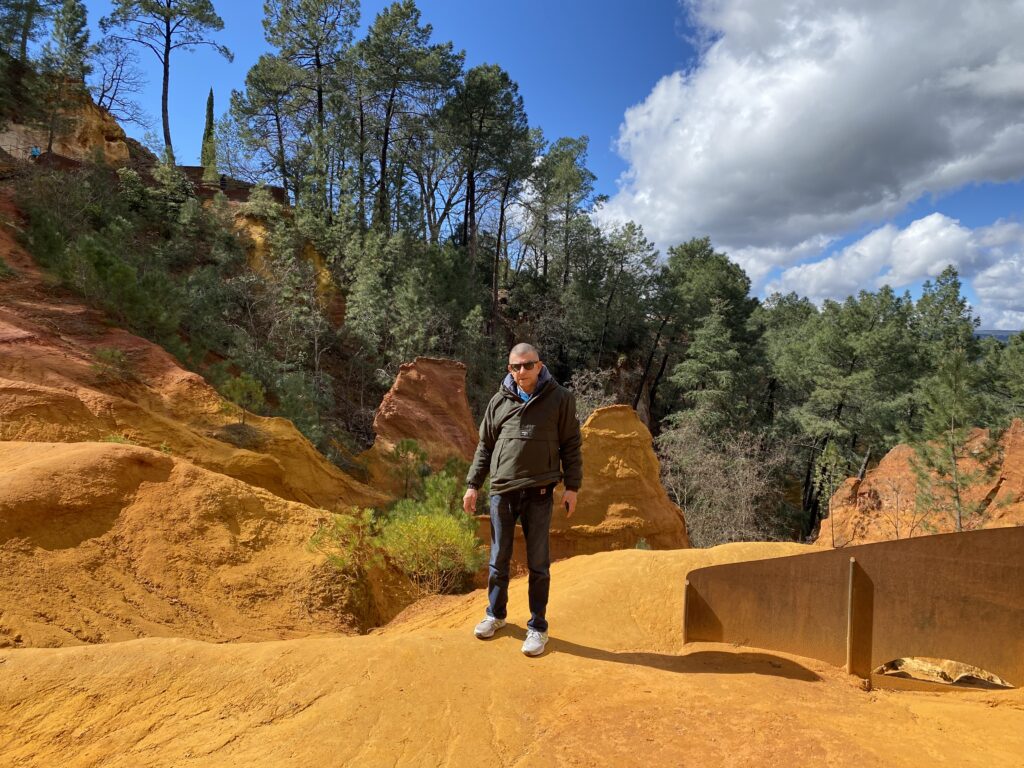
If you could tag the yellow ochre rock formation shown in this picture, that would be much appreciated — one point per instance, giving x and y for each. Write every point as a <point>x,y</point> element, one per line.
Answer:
<point>255,233</point>
<point>102,542</point>
<point>87,130</point>
<point>882,505</point>
<point>622,500</point>
<point>614,688</point>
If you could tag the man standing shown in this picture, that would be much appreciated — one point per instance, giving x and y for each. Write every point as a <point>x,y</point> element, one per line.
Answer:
<point>529,436</point>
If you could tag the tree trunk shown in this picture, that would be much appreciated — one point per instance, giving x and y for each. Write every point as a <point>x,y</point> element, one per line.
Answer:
<point>52,122</point>
<point>650,359</point>
<point>361,205</point>
<point>469,216</point>
<point>864,466</point>
<point>565,242</point>
<point>810,500</point>
<point>657,379</point>
<point>497,255</point>
<point>281,162</point>
<point>383,210</point>
<point>26,31</point>
<point>166,61</point>
<point>544,246</point>
<point>954,471</point>
<point>607,312</point>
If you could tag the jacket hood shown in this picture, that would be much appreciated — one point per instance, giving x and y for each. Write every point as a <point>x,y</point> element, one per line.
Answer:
<point>510,383</point>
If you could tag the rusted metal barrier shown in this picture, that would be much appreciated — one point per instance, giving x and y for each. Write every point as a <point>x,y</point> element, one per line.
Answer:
<point>957,596</point>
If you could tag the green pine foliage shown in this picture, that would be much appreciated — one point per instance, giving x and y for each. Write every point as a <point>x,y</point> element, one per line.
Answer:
<point>245,392</point>
<point>431,538</point>
<point>428,538</point>
<point>350,542</point>
<point>951,459</point>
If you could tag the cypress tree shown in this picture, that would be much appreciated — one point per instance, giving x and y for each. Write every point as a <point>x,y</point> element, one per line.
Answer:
<point>208,158</point>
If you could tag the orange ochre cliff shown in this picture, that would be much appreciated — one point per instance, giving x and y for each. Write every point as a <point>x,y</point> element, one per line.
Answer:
<point>883,505</point>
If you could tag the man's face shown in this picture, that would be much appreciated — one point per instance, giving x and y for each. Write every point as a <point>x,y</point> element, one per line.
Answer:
<point>525,379</point>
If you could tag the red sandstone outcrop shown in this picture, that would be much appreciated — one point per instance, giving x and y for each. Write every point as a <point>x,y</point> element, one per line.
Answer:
<point>882,506</point>
<point>427,403</point>
<point>103,542</point>
<point>622,500</point>
<point>87,130</point>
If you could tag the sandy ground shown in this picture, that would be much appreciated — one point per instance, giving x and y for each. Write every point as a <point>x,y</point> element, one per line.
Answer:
<point>615,688</point>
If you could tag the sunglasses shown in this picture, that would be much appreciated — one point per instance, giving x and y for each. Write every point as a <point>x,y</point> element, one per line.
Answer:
<point>528,366</point>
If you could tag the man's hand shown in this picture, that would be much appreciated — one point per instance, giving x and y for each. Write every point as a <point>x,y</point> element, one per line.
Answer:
<point>469,501</point>
<point>569,502</point>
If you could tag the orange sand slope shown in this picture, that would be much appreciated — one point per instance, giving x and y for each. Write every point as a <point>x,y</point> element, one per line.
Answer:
<point>101,542</point>
<point>613,689</point>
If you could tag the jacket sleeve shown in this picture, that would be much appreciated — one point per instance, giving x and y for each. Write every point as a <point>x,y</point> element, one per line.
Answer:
<point>482,458</point>
<point>570,443</point>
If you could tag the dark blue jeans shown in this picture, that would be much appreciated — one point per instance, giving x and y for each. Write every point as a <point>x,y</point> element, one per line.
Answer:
<point>532,508</point>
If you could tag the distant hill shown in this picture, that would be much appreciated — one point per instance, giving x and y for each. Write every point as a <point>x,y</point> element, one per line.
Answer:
<point>1003,336</point>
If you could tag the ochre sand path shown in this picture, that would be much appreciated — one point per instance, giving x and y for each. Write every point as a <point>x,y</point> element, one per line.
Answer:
<point>614,688</point>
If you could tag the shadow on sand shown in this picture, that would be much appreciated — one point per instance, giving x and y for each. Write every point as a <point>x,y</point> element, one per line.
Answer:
<point>698,662</point>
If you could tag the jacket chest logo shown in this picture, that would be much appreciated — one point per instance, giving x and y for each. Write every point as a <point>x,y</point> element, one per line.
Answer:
<point>526,430</point>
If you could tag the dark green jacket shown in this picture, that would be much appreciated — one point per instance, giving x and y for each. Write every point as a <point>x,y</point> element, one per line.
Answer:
<point>522,444</point>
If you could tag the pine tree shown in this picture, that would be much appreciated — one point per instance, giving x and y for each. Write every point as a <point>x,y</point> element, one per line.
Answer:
<point>164,27</point>
<point>65,65</point>
<point>711,375</point>
<point>950,459</point>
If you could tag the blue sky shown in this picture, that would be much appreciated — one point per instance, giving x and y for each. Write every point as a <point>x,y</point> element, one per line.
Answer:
<point>827,147</point>
<point>569,58</point>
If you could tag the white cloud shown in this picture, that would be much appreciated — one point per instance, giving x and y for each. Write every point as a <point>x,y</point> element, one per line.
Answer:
<point>843,274</point>
<point>1001,301</point>
<point>803,120</point>
<point>925,247</point>
<point>990,261</point>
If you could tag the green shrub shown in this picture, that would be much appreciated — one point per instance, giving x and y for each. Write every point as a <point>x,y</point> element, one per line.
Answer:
<point>409,466</point>
<point>111,364</point>
<point>350,542</point>
<point>435,549</point>
<point>432,540</point>
<point>245,392</point>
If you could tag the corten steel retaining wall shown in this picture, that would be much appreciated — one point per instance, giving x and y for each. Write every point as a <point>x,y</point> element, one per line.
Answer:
<point>956,596</point>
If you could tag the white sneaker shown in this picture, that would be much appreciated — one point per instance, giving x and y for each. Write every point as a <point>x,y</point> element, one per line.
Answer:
<point>488,627</point>
<point>535,642</point>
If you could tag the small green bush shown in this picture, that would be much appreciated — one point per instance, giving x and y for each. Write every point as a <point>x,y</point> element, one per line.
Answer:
<point>350,542</point>
<point>111,364</point>
<point>435,549</point>
<point>245,392</point>
<point>432,540</point>
<point>409,466</point>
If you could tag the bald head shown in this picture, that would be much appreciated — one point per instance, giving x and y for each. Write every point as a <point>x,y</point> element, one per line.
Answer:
<point>523,349</point>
